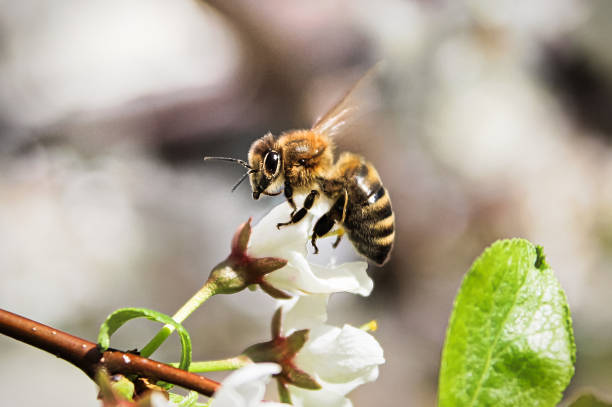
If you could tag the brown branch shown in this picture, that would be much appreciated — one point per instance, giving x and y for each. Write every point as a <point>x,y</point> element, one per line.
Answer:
<point>86,356</point>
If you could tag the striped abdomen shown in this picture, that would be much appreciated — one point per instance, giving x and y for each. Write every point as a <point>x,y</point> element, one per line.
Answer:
<point>369,221</point>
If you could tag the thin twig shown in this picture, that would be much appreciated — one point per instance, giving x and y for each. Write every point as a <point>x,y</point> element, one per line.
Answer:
<point>86,356</point>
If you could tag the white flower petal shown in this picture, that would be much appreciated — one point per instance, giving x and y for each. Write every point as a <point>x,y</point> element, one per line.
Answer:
<point>300,276</point>
<point>317,398</point>
<point>268,240</point>
<point>341,355</point>
<point>246,386</point>
<point>304,312</point>
<point>345,388</point>
<point>351,277</point>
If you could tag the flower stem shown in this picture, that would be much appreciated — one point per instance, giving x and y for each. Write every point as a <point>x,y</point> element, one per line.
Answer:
<point>208,290</point>
<point>218,365</point>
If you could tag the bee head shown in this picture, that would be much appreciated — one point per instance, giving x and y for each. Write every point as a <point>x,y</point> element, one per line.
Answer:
<point>265,160</point>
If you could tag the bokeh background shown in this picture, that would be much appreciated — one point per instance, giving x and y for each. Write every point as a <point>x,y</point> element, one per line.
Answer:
<point>493,120</point>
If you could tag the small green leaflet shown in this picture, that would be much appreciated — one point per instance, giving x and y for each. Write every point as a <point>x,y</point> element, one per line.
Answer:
<point>115,320</point>
<point>509,341</point>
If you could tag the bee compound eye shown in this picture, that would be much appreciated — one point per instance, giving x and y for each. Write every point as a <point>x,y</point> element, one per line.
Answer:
<point>271,162</point>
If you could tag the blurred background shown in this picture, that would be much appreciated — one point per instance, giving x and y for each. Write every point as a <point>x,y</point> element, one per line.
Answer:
<point>494,120</point>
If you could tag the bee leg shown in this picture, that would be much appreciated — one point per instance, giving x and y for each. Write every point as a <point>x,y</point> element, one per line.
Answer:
<point>323,225</point>
<point>289,196</point>
<point>327,221</point>
<point>297,216</point>
<point>339,238</point>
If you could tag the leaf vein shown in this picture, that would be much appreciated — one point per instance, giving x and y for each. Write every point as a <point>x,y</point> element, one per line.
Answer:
<point>497,337</point>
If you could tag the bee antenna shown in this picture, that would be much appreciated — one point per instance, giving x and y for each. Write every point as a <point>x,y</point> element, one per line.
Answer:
<point>246,174</point>
<point>236,160</point>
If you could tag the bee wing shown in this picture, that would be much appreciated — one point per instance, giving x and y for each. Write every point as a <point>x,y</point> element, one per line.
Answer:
<point>342,113</point>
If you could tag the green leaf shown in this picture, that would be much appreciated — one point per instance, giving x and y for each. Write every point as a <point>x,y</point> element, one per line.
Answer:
<point>509,340</point>
<point>589,400</point>
<point>115,320</point>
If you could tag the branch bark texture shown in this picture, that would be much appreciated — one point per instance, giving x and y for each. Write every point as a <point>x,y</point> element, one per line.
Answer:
<point>86,356</point>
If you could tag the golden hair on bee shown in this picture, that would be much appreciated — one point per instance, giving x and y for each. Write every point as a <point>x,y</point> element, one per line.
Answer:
<point>302,161</point>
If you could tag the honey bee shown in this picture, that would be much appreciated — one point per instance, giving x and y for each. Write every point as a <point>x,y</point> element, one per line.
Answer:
<point>302,161</point>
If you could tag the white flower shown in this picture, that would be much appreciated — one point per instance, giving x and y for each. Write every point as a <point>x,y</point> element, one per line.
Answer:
<point>246,387</point>
<point>312,354</point>
<point>339,359</point>
<point>299,275</point>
